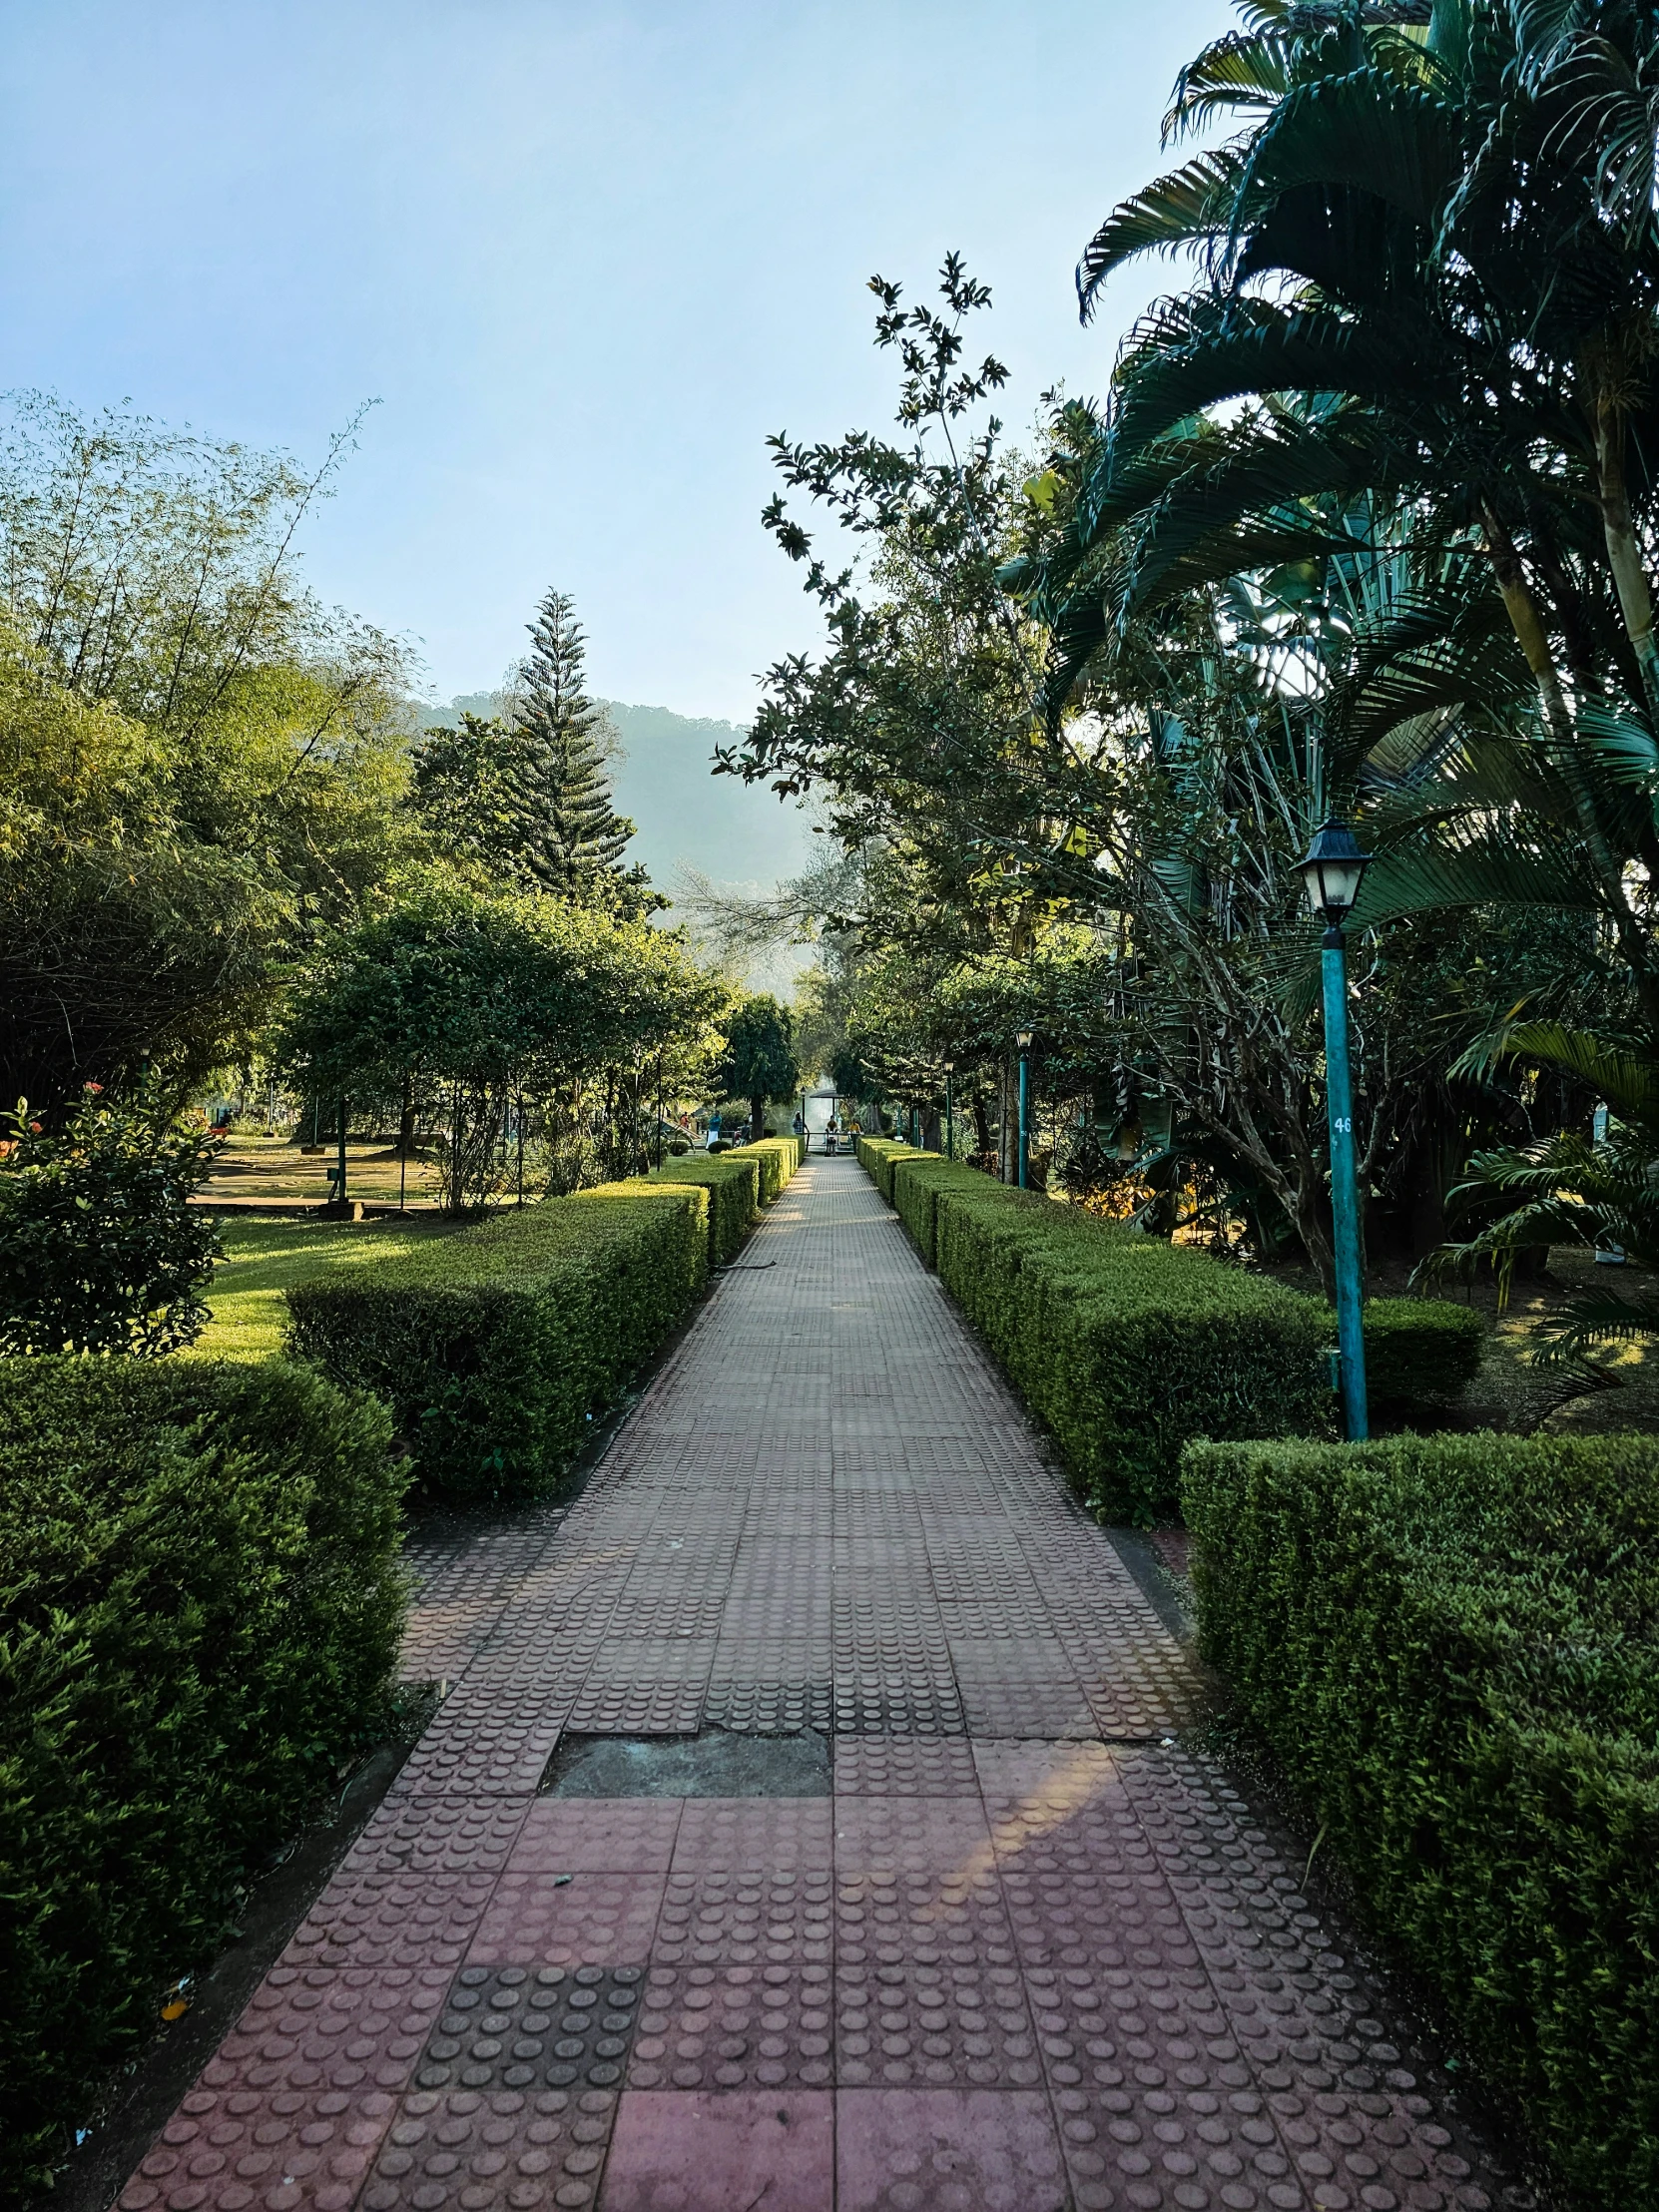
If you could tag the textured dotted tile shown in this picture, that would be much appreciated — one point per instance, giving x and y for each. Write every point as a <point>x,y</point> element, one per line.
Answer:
<point>523,2028</point>
<point>947,2151</point>
<point>321,2030</point>
<point>887,1919</point>
<point>477,2150</point>
<point>732,1833</point>
<point>488,1743</point>
<point>736,2027</point>
<point>934,2022</point>
<point>540,1919</point>
<point>1029,1708</point>
<point>391,1919</point>
<point>438,1836</point>
<point>598,1836</point>
<point>230,2151</point>
<point>904,1765</point>
<point>770,1915</point>
<point>1159,2149</point>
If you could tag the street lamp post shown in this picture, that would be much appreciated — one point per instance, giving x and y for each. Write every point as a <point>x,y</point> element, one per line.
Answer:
<point>1023,1040</point>
<point>949,1110</point>
<point>1332,870</point>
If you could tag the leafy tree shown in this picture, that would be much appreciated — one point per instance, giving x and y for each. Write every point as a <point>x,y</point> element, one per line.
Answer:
<point>500,1009</point>
<point>101,1250</point>
<point>473,794</point>
<point>202,768</point>
<point>759,1062</point>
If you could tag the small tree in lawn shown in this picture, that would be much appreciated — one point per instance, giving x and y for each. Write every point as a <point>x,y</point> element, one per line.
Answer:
<point>495,1008</point>
<point>760,1061</point>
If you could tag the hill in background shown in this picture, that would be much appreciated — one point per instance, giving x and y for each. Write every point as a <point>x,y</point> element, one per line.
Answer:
<point>736,835</point>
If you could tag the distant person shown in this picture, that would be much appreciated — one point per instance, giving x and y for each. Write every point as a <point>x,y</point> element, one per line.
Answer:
<point>714,1132</point>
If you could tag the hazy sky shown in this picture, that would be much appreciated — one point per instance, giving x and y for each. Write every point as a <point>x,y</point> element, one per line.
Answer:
<point>585,256</point>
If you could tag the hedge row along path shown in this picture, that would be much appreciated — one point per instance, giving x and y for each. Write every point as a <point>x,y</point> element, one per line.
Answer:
<point>1020,1952</point>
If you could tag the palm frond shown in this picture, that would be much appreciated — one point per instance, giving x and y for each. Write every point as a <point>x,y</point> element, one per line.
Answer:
<point>1187,210</point>
<point>1484,871</point>
<point>1244,69</point>
<point>1625,1079</point>
<point>1368,130</point>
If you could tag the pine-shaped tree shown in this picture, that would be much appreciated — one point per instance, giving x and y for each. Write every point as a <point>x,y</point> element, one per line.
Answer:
<point>579,836</point>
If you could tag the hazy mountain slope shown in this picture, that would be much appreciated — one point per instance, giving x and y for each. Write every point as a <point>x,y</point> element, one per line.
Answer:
<point>734,834</point>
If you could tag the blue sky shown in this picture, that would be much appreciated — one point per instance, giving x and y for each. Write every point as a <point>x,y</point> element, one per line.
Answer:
<point>586,256</point>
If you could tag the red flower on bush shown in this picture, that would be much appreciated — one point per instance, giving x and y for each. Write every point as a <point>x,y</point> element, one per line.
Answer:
<point>95,1088</point>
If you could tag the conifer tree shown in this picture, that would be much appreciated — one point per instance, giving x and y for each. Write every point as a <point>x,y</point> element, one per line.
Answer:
<point>579,836</point>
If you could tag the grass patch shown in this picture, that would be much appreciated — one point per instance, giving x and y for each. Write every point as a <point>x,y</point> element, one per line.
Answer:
<point>264,1259</point>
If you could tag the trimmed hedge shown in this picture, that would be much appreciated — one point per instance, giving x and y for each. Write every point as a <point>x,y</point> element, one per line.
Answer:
<point>1452,1644</point>
<point>1421,1351</point>
<point>495,1347</point>
<point>733,1183</point>
<point>200,1607</point>
<point>777,1157</point>
<point>878,1155</point>
<point>1126,1346</point>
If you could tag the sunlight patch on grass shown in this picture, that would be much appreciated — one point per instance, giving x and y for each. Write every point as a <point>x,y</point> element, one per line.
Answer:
<point>264,1257</point>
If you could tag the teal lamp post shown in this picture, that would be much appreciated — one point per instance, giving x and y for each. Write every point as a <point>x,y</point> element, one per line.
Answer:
<point>1023,1040</point>
<point>1332,869</point>
<point>949,1110</point>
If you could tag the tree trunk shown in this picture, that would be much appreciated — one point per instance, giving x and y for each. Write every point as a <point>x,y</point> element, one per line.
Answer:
<point>757,1119</point>
<point>1624,553</point>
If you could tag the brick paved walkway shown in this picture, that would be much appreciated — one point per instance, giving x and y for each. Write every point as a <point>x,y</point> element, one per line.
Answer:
<point>1020,1952</point>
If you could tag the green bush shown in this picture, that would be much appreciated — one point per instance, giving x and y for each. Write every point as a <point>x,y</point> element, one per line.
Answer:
<point>200,1607</point>
<point>1421,1351</point>
<point>733,1182</point>
<point>1450,1643</point>
<point>101,1249</point>
<point>495,1347</point>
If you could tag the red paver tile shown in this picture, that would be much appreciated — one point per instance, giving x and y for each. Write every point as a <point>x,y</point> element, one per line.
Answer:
<point>1159,2150</point>
<point>904,1765</point>
<point>597,1836</point>
<point>734,1832</point>
<point>947,2151</point>
<point>736,2152</point>
<point>303,2150</point>
<point>1063,1776</point>
<point>391,1919</point>
<point>734,2027</point>
<point>910,1834</point>
<point>322,2030</point>
<point>897,1916</point>
<point>773,1917</point>
<point>542,1920</point>
<point>478,2150</point>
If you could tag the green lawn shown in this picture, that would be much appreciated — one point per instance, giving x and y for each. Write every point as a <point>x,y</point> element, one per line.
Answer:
<point>264,1257</point>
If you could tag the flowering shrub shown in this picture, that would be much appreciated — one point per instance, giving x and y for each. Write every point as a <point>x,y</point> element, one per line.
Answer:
<point>100,1249</point>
